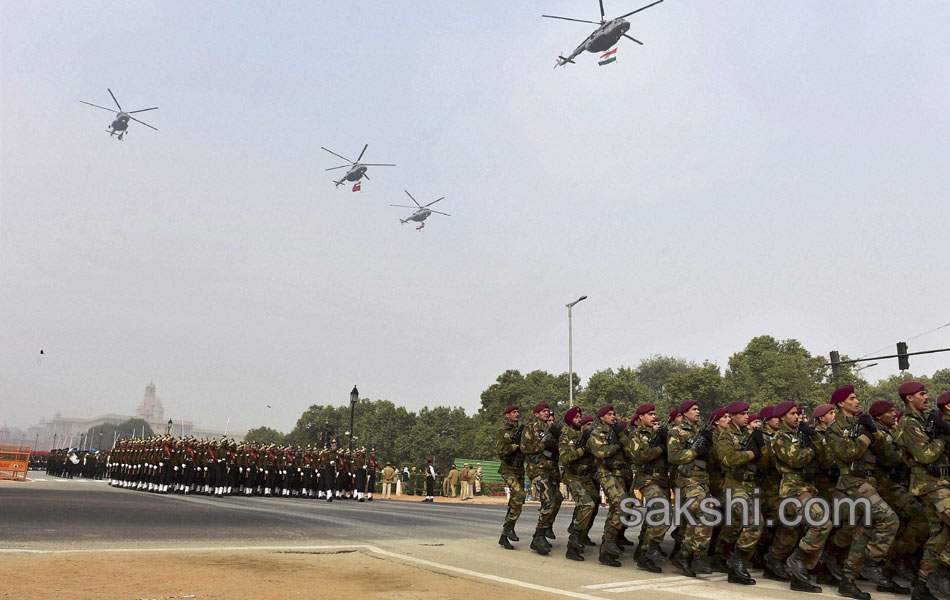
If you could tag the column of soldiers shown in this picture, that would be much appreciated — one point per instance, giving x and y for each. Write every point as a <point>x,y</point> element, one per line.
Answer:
<point>69,463</point>
<point>897,464</point>
<point>222,468</point>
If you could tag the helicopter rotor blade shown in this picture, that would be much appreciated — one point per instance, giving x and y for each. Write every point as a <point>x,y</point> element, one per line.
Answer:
<point>633,38</point>
<point>434,201</point>
<point>143,123</point>
<point>602,17</point>
<point>335,154</point>
<point>639,9</point>
<point>440,213</point>
<point>340,167</point>
<point>413,199</point>
<point>569,19</point>
<point>376,165</point>
<point>132,112</point>
<point>402,205</point>
<point>114,100</point>
<point>112,110</point>
<point>362,153</point>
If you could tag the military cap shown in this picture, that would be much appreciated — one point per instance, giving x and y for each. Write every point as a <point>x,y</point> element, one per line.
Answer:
<point>673,414</point>
<point>604,410</point>
<point>716,415</point>
<point>841,394</point>
<point>686,406</point>
<point>943,398</point>
<point>822,410</point>
<point>898,416</point>
<point>570,414</point>
<point>755,417</point>
<point>734,408</point>
<point>909,388</point>
<point>880,407</point>
<point>540,406</point>
<point>781,408</point>
<point>428,460</point>
<point>510,408</point>
<point>644,409</point>
<point>766,412</point>
<point>587,419</point>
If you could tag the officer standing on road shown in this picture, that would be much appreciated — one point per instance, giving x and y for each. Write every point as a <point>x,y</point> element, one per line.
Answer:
<point>511,469</point>
<point>540,447</point>
<point>578,466</point>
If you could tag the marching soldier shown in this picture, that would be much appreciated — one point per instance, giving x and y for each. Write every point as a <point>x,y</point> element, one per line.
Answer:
<point>826,482</point>
<point>606,442</point>
<point>508,447</point>
<point>850,437</point>
<point>578,475</point>
<point>647,449</point>
<point>540,448</point>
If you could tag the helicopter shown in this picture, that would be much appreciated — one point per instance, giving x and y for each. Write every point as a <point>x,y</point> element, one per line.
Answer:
<point>121,122</point>
<point>422,213</point>
<point>604,37</point>
<point>357,170</point>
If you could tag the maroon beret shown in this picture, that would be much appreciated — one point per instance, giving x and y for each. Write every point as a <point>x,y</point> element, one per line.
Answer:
<point>510,408</point>
<point>755,417</point>
<point>686,406</point>
<point>909,387</point>
<point>900,414</point>
<point>737,407</point>
<point>943,398</point>
<point>604,410</point>
<point>428,460</point>
<point>587,419</point>
<point>822,410</point>
<point>570,414</point>
<point>673,414</point>
<point>880,407</point>
<point>766,413</point>
<point>644,409</point>
<point>781,408</point>
<point>540,406</point>
<point>624,424</point>
<point>716,415</point>
<point>841,394</point>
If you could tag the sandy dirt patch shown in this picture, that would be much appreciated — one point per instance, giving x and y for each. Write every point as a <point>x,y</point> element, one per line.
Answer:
<point>251,575</point>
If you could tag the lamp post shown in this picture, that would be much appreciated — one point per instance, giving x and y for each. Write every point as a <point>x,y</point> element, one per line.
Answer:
<point>570,349</point>
<point>82,440</point>
<point>168,427</point>
<point>100,440</point>
<point>354,398</point>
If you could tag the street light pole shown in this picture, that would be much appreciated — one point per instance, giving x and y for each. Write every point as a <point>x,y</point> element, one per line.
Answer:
<point>354,398</point>
<point>570,349</point>
<point>168,427</point>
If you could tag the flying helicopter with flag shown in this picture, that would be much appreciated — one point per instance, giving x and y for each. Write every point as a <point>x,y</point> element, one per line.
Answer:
<point>607,34</point>
<point>422,212</point>
<point>356,171</point>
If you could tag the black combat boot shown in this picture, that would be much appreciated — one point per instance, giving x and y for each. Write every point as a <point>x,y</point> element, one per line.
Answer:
<point>509,531</point>
<point>504,543</point>
<point>700,564</point>
<point>608,559</point>
<point>539,544</point>
<point>549,533</point>
<point>574,542</point>
<point>830,562</point>
<point>572,553</point>
<point>588,541</point>
<point>921,591</point>
<point>803,585</point>
<point>825,577</point>
<point>796,565</point>
<point>775,568</point>
<point>905,572</point>
<point>654,553</point>
<point>938,582</point>
<point>849,589</point>
<point>872,572</point>
<point>644,563</point>
<point>681,562</point>
<point>894,588</point>
<point>609,545</point>
<point>736,563</point>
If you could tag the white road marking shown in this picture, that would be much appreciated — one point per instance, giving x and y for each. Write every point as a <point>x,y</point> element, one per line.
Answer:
<point>355,547</point>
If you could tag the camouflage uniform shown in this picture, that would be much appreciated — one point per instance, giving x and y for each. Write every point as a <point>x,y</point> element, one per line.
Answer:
<point>541,468</point>
<point>738,463</point>
<point>652,477</point>
<point>795,457</point>
<point>856,465</point>
<point>826,482</point>
<point>769,481</point>
<point>511,469</point>
<point>692,479</point>
<point>930,482</point>
<point>578,475</point>
<point>605,445</point>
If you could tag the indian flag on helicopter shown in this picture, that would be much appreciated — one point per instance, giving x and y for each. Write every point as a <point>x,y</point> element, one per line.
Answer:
<point>607,57</point>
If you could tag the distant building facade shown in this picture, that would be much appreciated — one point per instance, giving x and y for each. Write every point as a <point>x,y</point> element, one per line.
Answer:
<point>61,431</point>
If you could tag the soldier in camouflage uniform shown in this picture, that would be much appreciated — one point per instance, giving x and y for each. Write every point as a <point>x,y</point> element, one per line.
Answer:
<point>718,423</point>
<point>647,450</point>
<point>578,466</point>
<point>923,441</point>
<point>850,438</point>
<point>796,458</point>
<point>606,442</point>
<point>770,481</point>
<point>826,482</point>
<point>738,453</point>
<point>508,447</point>
<point>892,476</point>
<point>539,443</point>
<point>688,448</point>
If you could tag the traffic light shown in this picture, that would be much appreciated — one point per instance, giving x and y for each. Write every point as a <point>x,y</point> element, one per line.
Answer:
<point>903,361</point>
<point>835,364</point>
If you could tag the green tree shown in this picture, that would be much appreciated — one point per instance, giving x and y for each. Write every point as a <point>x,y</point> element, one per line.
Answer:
<point>653,372</point>
<point>620,388</point>
<point>125,430</point>
<point>769,371</point>
<point>264,435</point>
<point>703,384</point>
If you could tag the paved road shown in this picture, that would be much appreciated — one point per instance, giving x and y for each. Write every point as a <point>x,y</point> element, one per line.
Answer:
<point>451,538</point>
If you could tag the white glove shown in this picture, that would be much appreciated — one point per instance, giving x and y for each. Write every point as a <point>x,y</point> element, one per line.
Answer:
<point>266,472</point>
<point>240,469</point>
<point>205,468</point>
<point>176,468</point>
<point>299,471</point>
<point>161,464</point>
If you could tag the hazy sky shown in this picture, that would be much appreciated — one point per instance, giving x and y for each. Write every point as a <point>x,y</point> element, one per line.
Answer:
<point>756,168</point>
